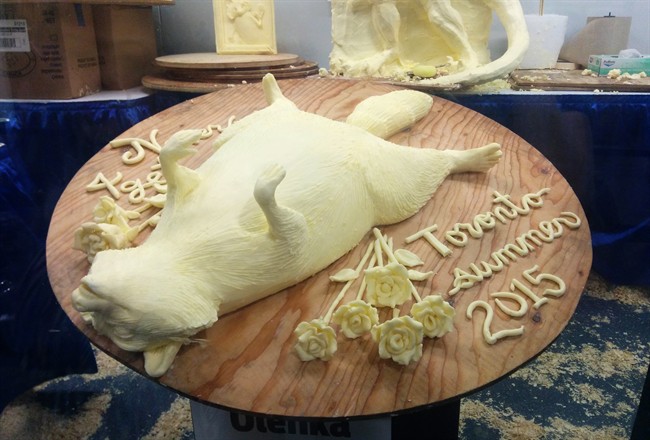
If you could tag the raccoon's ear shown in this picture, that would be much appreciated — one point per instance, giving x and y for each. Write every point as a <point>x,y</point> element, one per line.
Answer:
<point>158,360</point>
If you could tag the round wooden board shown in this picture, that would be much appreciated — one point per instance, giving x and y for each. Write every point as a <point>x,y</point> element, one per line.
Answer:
<point>248,361</point>
<point>209,60</point>
<point>294,71</point>
<point>170,85</point>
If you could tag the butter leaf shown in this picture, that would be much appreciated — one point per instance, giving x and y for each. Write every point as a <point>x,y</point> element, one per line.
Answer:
<point>344,275</point>
<point>407,258</point>
<point>415,275</point>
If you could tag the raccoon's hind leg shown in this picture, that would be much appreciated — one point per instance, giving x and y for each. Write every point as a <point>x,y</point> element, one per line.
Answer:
<point>475,160</point>
<point>402,179</point>
<point>283,222</point>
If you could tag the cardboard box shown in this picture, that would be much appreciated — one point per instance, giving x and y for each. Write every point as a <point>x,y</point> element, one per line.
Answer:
<point>126,43</point>
<point>47,51</point>
<point>602,64</point>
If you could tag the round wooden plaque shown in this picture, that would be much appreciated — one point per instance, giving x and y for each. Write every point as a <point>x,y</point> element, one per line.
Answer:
<point>286,72</point>
<point>209,60</point>
<point>172,85</point>
<point>247,361</point>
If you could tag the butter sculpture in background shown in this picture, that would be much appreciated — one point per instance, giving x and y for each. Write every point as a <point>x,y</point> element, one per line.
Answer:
<point>285,194</point>
<point>244,27</point>
<point>443,41</point>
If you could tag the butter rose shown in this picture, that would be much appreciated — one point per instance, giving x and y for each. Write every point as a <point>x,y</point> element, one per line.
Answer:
<point>316,340</point>
<point>387,286</point>
<point>399,339</point>
<point>356,318</point>
<point>95,237</point>
<point>435,314</point>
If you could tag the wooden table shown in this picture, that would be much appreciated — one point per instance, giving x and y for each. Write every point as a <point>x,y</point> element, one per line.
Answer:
<point>247,362</point>
<point>574,80</point>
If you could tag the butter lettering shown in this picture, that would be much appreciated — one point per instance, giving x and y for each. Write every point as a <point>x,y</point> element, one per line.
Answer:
<point>507,210</point>
<point>538,302</point>
<point>524,244</point>
<point>537,280</point>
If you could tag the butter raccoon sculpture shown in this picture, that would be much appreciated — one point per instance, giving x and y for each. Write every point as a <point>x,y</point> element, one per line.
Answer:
<point>285,194</point>
<point>391,38</point>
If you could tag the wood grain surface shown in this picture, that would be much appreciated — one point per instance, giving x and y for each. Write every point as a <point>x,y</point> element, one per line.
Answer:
<point>162,82</point>
<point>550,79</point>
<point>247,361</point>
<point>298,70</point>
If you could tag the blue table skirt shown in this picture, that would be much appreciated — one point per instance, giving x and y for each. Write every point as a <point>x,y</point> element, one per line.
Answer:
<point>600,143</point>
<point>44,144</point>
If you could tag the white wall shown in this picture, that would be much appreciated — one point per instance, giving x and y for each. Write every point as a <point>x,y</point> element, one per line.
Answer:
<point>303,26</point>
<point>578,11</point>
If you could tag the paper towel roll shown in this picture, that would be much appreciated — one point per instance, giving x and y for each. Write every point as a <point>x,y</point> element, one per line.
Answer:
<point>546,38</point>
<point>600,36</point>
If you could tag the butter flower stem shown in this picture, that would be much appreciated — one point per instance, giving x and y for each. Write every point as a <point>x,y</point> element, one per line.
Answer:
<point>341,295</point>
<point>362,288</point>
<point>391,256</point>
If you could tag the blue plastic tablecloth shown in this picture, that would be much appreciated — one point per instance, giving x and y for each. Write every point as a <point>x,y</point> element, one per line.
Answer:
<point>601,145</point>
<point>43,146</point>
